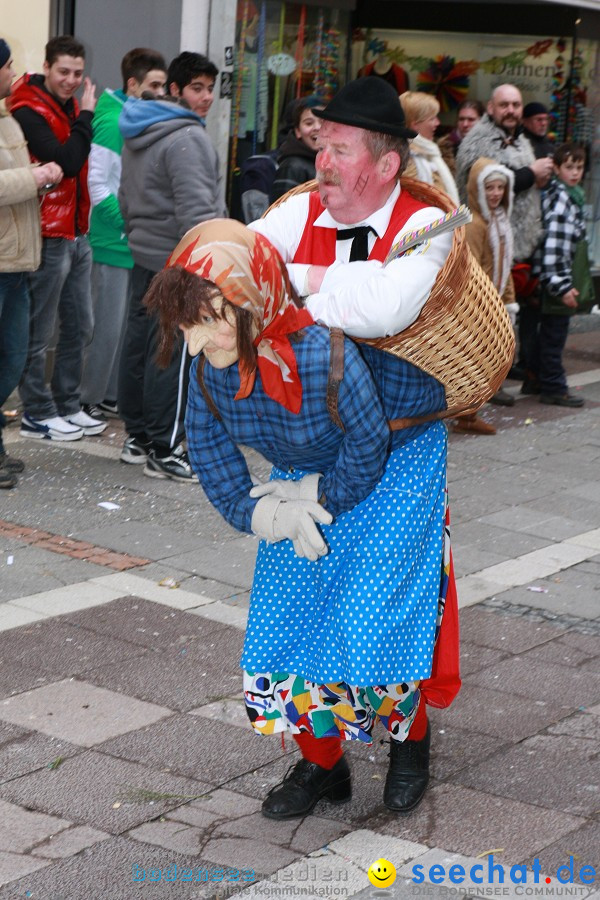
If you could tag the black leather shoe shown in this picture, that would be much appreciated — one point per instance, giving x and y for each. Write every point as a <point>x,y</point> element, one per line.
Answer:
<point>562,400</point>
<point>408,774</point>
<point>11,464</point>
<point>502,398</point>
<point>304,786</point>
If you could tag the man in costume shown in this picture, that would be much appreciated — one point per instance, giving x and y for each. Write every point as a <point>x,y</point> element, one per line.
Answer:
<point>335,241</point>
<point>353,573</point>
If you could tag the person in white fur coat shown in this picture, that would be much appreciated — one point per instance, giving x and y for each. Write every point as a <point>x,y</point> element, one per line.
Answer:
<point>426,163</point>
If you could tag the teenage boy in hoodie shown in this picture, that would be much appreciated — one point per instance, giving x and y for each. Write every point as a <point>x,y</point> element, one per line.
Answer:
<point>490,238</point>
<point>142,70</point>
<point>170,182</point>
<point>57,129</point>
<point>563,267</point>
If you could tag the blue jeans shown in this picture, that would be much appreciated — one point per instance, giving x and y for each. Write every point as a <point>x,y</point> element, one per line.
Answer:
<point>554,330</point>
<point>60,291</point>
<point>14,333</point>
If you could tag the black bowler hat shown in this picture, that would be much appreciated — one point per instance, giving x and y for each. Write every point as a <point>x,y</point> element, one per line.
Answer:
<point>370,103</point>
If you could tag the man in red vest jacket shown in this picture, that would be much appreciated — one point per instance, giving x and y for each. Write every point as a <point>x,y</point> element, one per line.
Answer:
<point>58,130</point>
<point>335,241</point>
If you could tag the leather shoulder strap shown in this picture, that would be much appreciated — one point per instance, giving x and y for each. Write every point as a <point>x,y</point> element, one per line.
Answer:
<point>335,374</point>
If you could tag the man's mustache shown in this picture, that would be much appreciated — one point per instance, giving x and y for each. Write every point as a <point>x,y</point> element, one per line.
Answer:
<point>329,176</point>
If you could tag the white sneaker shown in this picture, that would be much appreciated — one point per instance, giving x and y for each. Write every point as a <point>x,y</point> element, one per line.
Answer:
<point>89,425</point>
<point>595,310</point>
<point>54,429</point>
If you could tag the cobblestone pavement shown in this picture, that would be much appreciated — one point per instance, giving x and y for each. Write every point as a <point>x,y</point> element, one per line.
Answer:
<point>126,764</point>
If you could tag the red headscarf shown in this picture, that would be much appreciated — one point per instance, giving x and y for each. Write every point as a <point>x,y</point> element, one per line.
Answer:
<point>249,273</point>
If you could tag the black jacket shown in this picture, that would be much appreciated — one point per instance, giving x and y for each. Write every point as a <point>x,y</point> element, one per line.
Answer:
<point>296,165</point>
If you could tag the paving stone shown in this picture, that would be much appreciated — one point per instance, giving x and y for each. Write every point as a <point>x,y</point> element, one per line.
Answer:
<point>583,845</point>
<point>232,711</point>
<point>468,560</point>
<point>469,821</point>
<point>70,842</point>
<point>193,584</point>
<point>326,868</point>
<point>51,650</point>
<point>569,592</point>
<point>86,788</point>
<point>248,853</point>
<point>527,520</point>
<point>21,829</point>
<point>558,772</point>
<point>152,541</point>
<point>502,541</point>
<point>144,622</point>
<point>565,688</point>
<point>34,570</point>
<point>474,657</point>
<point>79,712</point>
<point>171,836</point>
<point>132,584</point>
<point>223,613</point>
<point>196,747</point>
<point>9,733</point>
<point>304,835</point>
<point>220,804</point>
<point>12,616</point>
<point>497,713</point>
<point>180,679</point>
<point>14,865</point>
<point>364,846</point>
<point>587,643</point>
<point>233,564</point>
<point>105,872</point>
<point>502,633</point>
<point>559,653</point>
<point>32,751</point>
<point>453,749</point>
<point>569,505</point>
<point>67,599</point>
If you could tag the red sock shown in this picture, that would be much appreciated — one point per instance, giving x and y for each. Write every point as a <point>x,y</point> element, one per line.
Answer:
<point>418,729</point>
<point>325,752</point>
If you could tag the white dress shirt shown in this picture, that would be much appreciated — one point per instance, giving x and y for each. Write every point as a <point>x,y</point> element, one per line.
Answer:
<point>365,299</point>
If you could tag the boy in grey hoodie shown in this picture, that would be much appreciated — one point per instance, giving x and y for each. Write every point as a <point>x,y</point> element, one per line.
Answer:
<point>170,182</point>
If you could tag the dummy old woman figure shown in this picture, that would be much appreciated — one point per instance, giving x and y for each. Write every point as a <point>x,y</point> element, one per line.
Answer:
<point>350,581</point>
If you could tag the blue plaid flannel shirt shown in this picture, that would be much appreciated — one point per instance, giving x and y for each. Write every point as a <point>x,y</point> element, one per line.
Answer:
<point>352,462</point>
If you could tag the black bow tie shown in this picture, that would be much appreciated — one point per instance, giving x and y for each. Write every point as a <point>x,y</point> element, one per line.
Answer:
<point>360,240</point>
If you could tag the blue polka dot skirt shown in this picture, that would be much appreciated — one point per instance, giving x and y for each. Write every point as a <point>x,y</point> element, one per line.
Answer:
<point>366,613</point>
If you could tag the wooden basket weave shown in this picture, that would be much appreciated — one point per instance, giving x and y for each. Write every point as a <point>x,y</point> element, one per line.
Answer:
<point>463,335</point>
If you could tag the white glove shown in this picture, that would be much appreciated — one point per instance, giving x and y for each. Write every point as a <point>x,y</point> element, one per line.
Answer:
<point>306,488</point>
<point>276,520</point>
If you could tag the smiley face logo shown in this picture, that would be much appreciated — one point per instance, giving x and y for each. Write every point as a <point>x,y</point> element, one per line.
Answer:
<point>381,873</point>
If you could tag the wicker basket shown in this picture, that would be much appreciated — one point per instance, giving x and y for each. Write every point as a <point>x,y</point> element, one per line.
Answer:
<point>463,335</point>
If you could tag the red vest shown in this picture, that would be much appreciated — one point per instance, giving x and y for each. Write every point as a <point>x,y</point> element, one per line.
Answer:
<point>317,245</point>
<point>66,209</point>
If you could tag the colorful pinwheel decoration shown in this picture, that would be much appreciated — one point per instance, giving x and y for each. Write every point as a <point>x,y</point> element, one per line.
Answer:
<point>447,80</point>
